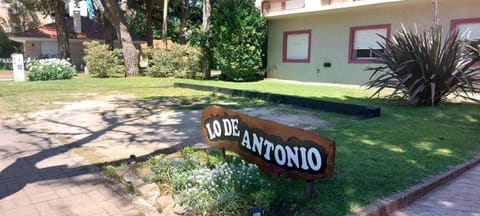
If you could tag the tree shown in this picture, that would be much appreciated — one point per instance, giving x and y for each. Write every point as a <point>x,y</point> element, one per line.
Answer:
<point>165,22</point>
<point>20,18</point>
<point>111,10</point>
<point>238,35</point>
<point>7,46</point>
<point>183,9</point>
<point>147,8</point>
<point>61,27</point>
<point>108,32</point>
<point>206,55</point>
<point>58,7</point>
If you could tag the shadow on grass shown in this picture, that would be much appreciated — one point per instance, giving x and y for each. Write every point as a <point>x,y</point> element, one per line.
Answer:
<point>199,103</point>
<point>402,147</point>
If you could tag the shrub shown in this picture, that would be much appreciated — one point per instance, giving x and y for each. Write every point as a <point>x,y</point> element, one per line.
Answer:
<point>101,61</point>
<point>50,69</point>
<point>176,61</point>
<point>7,46</point>
<point>222,190</point>
<point>238,38</point>
<point>6,64</point>
<point>422,68</point>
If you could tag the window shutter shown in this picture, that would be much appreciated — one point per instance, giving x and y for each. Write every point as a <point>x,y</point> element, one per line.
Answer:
<point>297,46</point>
<point>367,39</point>
<point>469,30</point>
<point>49,49</point>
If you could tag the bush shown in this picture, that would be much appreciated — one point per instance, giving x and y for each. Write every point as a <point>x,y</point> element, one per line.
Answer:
<point>7,46</point>
<point>6,64</point>
<point>176,61</point>
<point>222,190</point>
<point>238,37</point>
<point>424,69</point>
<point>102,62</point>
<point>50,69</point>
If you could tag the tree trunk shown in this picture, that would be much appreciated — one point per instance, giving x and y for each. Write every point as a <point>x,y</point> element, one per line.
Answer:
<point>206,64</point>
<point>61,27</point>
<point>111,10</point>
<point>185,8</point>
<point>165,21</point>
<point>181,33</point>
<point>108,32</point>
<point>149,7</point>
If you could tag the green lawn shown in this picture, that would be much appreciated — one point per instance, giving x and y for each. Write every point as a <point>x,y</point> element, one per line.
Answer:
<point>378,157</point>
<point>375,157</point>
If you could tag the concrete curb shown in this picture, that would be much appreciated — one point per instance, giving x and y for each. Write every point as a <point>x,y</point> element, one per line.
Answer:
<point>313,103</point>
<point>397,201</point>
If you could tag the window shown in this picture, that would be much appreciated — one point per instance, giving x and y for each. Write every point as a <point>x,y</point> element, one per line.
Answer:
<point>469,33</point>
<point>296,46</point>
<point>49,49</point>
<point>363,42</point>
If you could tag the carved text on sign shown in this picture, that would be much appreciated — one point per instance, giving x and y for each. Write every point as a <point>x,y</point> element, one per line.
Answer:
<point>302,154</point>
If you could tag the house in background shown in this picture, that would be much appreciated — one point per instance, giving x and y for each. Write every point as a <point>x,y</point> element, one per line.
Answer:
<point>331,41</point>
<point>42,41</point>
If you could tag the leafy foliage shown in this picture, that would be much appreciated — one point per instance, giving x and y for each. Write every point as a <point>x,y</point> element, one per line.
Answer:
<point>176,61</point>
<point>101,61</point>
<point>423,68</point>
<point>223,189</point>
<point>22,16</point>
<point>238,37</point>
<point>51,69</point>
<point>7,46</point>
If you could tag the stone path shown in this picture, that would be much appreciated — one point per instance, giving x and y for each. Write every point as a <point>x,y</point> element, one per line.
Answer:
<point>38,177</point>
<point>461,196</point>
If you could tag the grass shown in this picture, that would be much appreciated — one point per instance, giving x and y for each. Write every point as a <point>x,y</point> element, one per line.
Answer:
<point>375,158</point>
<point>25,97</point>
<point>384,155</point>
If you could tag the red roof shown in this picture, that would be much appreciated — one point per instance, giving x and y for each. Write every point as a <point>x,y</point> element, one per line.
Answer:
<point>91,30</point>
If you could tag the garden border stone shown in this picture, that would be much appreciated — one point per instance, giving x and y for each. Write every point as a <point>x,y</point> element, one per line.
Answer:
<point>328,106</point>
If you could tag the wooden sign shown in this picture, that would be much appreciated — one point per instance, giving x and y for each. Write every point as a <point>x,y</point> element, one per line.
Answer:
<point>275,148</point>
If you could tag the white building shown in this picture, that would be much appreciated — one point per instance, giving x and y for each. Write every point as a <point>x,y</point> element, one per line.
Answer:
<point>331,40</point>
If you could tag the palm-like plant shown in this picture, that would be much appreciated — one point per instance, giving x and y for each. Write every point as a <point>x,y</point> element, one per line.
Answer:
<point>424,69</point>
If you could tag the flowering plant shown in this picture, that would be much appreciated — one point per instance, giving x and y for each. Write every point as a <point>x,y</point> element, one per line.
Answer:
<point>50,69</point>
<point>223,189</point>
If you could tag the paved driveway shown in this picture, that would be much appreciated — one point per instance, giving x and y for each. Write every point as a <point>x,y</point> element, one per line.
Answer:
<point>39,177</point>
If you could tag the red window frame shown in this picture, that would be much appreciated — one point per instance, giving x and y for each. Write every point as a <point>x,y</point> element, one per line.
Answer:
<point>285,46</point>
<point>352,40</point>
<point>455,22</point>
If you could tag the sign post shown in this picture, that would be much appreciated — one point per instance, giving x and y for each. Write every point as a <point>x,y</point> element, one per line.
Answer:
<point>18,70</point>
<point>273,147</point>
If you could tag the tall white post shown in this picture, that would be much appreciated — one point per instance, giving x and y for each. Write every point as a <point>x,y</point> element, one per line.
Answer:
<point>18,70</point>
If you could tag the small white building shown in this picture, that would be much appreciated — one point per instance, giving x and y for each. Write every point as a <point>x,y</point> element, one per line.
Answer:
<point>331,40</point>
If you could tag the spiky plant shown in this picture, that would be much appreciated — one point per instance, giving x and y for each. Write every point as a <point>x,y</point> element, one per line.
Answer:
<point>423,69</point>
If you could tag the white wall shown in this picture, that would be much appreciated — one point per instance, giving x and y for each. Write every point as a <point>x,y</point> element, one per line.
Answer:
<point>330,37</point>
